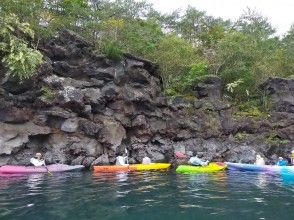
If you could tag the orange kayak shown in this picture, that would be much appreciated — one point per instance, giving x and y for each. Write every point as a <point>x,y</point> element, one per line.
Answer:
<point>111,168</point>
<point>132,167</point>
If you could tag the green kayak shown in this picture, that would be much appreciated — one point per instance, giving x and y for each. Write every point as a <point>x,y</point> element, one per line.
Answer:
<point>211,167</point>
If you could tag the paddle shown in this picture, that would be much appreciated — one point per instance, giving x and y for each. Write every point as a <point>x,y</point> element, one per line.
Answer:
<point>49,173</point>
<point>127,159</point>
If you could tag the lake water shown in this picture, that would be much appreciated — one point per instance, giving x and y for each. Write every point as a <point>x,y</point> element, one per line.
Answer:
<point>147,195</point>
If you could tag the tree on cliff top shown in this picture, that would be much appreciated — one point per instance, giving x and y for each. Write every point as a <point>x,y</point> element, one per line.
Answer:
<point>185,44</point>
<point>19,59</point>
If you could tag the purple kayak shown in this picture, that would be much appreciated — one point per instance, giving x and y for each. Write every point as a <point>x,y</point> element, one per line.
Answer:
<point>11,169</point>
<point>260,168</point>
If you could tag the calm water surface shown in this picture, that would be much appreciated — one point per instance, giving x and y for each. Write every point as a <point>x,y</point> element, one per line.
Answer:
<point>146,195</point>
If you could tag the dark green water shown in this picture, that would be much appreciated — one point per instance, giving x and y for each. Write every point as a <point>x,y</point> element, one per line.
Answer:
<point>147,195</point>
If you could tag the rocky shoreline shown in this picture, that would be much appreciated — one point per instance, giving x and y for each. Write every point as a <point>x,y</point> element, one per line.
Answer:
<point>83,108</point>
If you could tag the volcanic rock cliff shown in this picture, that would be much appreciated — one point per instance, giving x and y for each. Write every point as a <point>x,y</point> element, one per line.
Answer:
<point>83,108</point>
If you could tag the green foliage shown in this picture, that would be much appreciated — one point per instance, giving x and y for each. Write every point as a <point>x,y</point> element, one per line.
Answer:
<point>141,38</point>
<point>186,45</point>
<point>251,108</point>
<point>175,59</point>
<point>274,139</point>
<point>252,112</point>
<point>244,61</point>
<point>112,50</point>
<point>240,136</point>
<point>285,58</point>
<point>20,60</point>
<point>231,86</point>
<point>252,23</point>
<point>183,84</point>
<point>48,94</point>
<point>198,28</point>
<point>29,12</point>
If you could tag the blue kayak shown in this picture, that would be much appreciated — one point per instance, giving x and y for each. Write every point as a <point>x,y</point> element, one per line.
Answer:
<point>260,168</point>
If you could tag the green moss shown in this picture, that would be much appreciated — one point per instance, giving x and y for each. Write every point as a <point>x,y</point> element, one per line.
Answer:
<point>251,108</point>
<point>47,94</point>
<point>253,112</point>
<point>240,136</point>
<point>274,139</point>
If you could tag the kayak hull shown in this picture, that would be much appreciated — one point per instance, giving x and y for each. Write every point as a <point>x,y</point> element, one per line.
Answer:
<point>132,167</point>
<point>287,176</point>
<point>10,169</point>
<point>211,167</point>
<point>260,168</point>
<point>111,168</point>
<point>152,166</point>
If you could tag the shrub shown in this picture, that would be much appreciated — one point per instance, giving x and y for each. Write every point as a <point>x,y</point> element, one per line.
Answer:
<point>251,108</point>
<point>112,50</point>
<point>274,139</point>
<point>20,60</point>
<point>240,136</point>
<point>183,84</point>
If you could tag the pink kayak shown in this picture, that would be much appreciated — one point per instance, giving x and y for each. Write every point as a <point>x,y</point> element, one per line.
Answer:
<point>11,169</point>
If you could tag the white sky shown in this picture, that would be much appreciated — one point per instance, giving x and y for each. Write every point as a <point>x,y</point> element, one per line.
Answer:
<point>279,12</point>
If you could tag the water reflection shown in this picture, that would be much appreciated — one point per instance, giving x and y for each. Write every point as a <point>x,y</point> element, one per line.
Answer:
<point>112,177</point>
<point>33,182</point>
<point>261,180</point>
<point>7,180</point>
<point>126,195</point>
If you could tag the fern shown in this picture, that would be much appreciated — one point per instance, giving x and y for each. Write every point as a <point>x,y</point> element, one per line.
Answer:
<point>20,60</point>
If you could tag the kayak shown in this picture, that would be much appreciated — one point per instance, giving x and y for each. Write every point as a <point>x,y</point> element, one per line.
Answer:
<point>132,167</point>
<point>287,176</point>
<point>260,168</point>
<point>211,167</point>
<point>111,168</point>
<point>151,166</point>
<point>11,169</point>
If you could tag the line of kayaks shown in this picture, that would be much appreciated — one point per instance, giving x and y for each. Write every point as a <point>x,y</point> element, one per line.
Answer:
<point>11,169</point>
<point>211,167</point>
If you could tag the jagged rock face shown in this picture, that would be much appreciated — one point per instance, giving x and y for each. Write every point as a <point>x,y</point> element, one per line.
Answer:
<point>281,91</point>
<point>83,108</point>
<point>210,87</point>
<point>14,137</point>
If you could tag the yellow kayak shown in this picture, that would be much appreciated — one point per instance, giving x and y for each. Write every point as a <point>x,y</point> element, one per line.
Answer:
<point>211,167</point>
<point>151,166</point>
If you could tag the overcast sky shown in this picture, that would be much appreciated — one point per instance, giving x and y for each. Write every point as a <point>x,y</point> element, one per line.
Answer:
<point>279,12</point>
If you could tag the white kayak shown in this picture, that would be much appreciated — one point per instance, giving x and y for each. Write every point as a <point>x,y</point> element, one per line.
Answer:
<point>260,168</point>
